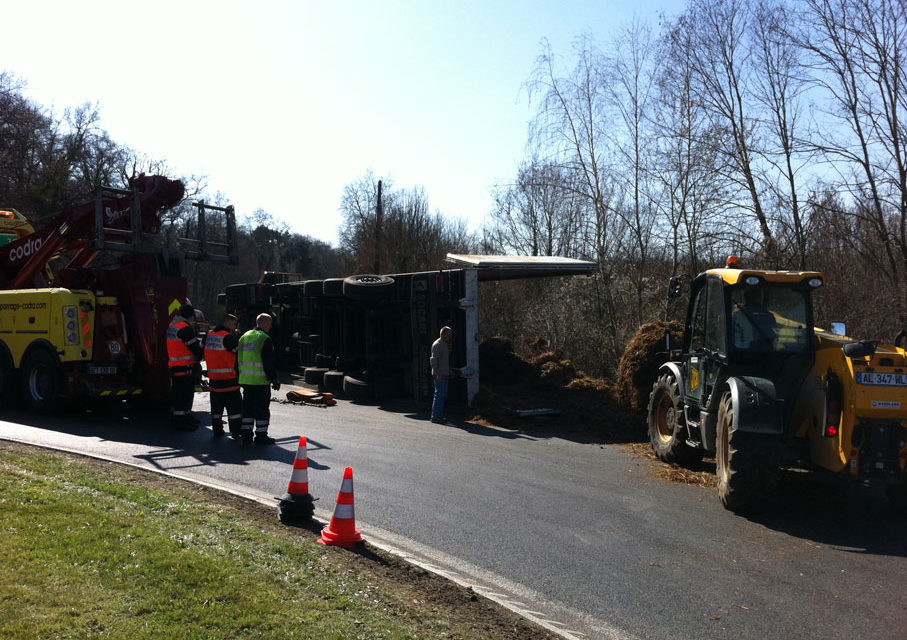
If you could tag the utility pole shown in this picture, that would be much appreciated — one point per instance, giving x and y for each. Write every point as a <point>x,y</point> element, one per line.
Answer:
<point>379,215</point>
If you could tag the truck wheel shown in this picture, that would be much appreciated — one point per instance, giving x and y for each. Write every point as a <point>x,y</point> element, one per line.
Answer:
<point>7,382</point>
<point>41,381</point>
<point>667,431</point>
<point>747,464</point>
<point>368,287</point>
<point>333,287</point>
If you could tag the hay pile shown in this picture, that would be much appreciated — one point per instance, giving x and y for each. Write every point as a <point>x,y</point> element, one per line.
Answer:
<point>644,354</point>
<point>587,406</point>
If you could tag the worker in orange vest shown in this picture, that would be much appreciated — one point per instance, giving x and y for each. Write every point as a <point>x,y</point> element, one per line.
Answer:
<point>183,352</point>
<point>223,377</point>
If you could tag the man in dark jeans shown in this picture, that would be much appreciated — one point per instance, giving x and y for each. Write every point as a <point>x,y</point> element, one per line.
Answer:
<point>440,372</point>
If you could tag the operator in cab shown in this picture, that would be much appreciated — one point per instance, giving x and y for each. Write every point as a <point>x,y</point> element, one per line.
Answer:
<point>184,351</point>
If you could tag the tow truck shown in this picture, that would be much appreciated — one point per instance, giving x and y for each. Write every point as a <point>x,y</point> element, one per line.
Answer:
<point>85,301</point>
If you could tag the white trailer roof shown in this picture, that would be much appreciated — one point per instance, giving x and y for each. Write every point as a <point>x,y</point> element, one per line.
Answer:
<point>512,267</point>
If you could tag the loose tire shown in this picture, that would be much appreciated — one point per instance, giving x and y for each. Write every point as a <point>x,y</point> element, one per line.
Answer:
<point>333,381</point>
<point>368,287</point>
<point>42,381</point>
<point>356,389</point>
<point>747,464</point>
<point>314,375</point>
<point>667,427</point>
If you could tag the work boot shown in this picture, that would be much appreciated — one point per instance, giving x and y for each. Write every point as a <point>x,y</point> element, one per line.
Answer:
<point>246,437</point>
<point>217,430</point>
<point>263,439</point>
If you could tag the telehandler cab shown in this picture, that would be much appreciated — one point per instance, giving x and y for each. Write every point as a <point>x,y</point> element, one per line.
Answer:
<point>756,384</point>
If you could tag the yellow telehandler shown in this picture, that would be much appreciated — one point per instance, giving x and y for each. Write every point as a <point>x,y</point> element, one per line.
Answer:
<point>755,383</point>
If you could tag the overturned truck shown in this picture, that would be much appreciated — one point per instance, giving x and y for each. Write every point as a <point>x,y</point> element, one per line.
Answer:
<point>369,336</point>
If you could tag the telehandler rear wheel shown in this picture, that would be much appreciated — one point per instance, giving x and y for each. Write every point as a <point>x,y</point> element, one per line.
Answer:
<point>667,428</point>
<point>747,464</point>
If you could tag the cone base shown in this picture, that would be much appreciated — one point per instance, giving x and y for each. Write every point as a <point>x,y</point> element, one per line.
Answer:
<point>296,509</point>
<point>340,539</point>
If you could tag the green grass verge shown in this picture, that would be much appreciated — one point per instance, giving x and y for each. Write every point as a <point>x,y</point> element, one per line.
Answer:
<point>95,550</point>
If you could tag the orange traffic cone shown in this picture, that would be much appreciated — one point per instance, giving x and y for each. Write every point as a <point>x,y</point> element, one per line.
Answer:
<point>342,530</point>
<point>297,505</point>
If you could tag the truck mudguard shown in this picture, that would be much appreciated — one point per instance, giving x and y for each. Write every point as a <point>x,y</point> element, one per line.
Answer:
<point>757,408</point>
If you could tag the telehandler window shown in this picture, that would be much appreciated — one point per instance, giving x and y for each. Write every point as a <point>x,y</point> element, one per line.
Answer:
<point>767,318</point>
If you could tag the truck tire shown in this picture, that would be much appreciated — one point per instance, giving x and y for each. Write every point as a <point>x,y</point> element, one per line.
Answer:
<point>368,287</point>
<point>7,381</point>
<point>333,287</point>
<point>313,288</point>
<point>747,464</point>
<point>667,431</point>
<point>42,381</point>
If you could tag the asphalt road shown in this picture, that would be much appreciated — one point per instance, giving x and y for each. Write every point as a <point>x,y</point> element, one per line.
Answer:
<point>577,536</point>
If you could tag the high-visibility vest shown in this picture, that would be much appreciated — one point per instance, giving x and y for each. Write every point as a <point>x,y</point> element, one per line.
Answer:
<point>178,353</point>
<point>251,367</point>
<point>221,363</point>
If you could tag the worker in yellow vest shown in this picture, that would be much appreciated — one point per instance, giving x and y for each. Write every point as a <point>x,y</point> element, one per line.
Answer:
<point>257,373</point>
<point>183,352</point>
<point>223,378</point>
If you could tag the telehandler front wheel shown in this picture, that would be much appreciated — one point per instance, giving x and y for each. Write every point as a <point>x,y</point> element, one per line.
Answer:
<point>747,464</point>
<point>667,427</point>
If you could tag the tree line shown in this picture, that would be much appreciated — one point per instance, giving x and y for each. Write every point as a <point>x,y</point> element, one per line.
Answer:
<point>770,130</point>
<point>50,161</point>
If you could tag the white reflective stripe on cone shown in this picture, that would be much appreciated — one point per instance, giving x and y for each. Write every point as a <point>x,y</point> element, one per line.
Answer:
<point>300,475</point>
<point>344,511</point>
<point>347,486</point>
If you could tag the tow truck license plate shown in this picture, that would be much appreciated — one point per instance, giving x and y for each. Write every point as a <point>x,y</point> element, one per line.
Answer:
<point>882,379</point>
<point>100,370</point>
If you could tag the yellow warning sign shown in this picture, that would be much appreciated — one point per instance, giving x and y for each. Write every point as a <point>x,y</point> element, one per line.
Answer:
<point>694,379</point>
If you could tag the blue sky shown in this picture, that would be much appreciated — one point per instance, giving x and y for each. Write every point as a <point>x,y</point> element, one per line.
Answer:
<point>281,104</point>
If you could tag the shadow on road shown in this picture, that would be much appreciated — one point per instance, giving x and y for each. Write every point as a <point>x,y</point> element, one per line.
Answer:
<point>837,512</point>
<point>150,427</point>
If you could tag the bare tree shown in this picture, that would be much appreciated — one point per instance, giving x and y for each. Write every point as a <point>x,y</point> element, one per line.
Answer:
<point>855,52</point>
<point>720,57</point>
<point>539,214</point>
<point>779,88</point>
<point>572,117</point>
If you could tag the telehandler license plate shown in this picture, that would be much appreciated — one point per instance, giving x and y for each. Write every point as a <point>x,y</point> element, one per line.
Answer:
<point>882,379</point>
